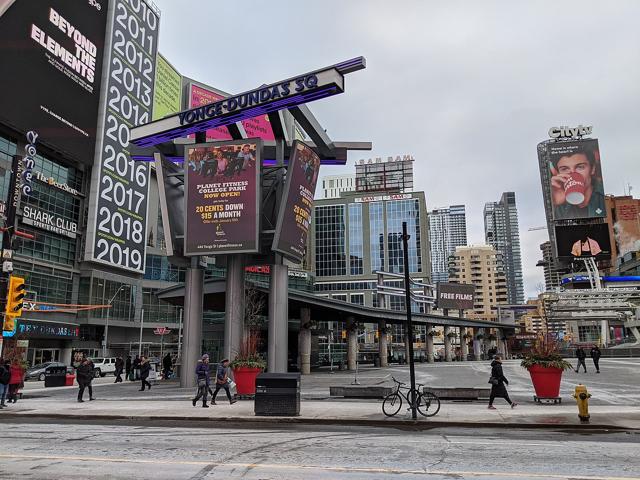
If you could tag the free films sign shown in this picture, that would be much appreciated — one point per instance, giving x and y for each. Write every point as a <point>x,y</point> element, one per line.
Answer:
<point>455,296</point>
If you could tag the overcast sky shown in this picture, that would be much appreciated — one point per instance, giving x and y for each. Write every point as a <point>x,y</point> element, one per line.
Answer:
<point>469,88</point>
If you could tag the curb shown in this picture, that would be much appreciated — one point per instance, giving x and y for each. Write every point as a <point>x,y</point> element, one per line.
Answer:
<point>391,423</point>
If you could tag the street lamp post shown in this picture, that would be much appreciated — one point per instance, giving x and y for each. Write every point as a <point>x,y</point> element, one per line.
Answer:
<point>106,326</point>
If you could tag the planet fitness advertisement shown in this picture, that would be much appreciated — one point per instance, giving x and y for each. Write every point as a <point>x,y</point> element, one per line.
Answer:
<point>222,185</point>
<point>297,202</point>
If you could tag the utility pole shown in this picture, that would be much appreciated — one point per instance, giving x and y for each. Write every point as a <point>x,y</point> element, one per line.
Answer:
<point>407,288</point>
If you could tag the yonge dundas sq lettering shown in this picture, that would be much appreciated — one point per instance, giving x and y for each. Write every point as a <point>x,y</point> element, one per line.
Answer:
<point>120,201</point>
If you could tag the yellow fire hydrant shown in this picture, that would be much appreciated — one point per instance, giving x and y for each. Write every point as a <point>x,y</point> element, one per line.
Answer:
<point>582,398</point>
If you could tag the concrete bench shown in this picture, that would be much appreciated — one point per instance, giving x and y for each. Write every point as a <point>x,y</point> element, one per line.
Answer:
<point>459,393</point>
<point>360,391</point>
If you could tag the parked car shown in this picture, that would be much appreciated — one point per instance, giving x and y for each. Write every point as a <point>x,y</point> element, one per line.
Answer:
<point>37,371</point>
<point>102,366</point>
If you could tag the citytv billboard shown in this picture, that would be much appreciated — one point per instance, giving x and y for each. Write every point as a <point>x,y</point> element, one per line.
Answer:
<point>51,55</point>
<point>296,206</point>
<point>581,241</point>
<point>575,178</point>
<point>455,296</point>
<point>222,195</point>
<point>116,234</point>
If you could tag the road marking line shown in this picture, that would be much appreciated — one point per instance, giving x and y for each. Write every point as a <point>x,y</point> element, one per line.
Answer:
<point>264,466</point>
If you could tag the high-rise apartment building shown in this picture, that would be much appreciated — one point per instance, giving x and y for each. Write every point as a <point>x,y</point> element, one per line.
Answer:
<point>502,232</point>
<point>483,267</point>
<point>552,274</point>
<point>332,186</point>
<point>447,230</point>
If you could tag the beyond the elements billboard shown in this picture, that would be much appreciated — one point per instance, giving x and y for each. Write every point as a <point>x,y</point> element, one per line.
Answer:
<point>575,176</point>
<point>455,296</point>
<point>51,63</point>
<point>222,185</point>
<point>167,92</point>
<point>580,241</point>
<point>297,202</point>
<point>258,127</point>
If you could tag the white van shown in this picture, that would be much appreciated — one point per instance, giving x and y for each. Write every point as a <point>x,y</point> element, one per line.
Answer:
<point>102,366</point>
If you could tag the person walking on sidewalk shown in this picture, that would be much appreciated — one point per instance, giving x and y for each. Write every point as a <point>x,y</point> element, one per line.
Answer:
<point>595,356</point>
<point>5,376</point>
<point>204,380</point>
<point>127,367</point>
<point>136,368</point>
<point>16,379</point>
<point>84,376</point>
<point>222,381</point>
<point>166,366</point>
<point>498,381</point>
<point>119,368</point>
<point>145,368</point>
<point>581,356</point>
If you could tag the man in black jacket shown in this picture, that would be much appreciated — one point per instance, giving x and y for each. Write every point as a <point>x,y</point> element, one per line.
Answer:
<point>85,374</point>
<point>5,376</point>
<point>119,368</point>
<point>127,367</point>
<point>581,356</point>
<point>145,368</point>
<point>595,356</point>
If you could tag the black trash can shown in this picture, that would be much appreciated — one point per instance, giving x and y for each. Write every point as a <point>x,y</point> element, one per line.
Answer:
<point>277,394</point>
<point>55,376</point>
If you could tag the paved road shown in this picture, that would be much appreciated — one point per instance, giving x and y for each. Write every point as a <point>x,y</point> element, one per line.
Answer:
<point>44,451</point>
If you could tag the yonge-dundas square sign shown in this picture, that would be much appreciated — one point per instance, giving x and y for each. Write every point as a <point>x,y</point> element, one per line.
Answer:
<point>266,99</point>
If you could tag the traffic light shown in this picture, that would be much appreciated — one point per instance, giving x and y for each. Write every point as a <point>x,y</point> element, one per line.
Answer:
<point>15,295</point>
<point>9,323</point>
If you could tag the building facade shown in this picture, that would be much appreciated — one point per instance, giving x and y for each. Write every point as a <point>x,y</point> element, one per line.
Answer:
<point>501,230</point>
<point>447,230</point>
<point>332,186</point>
<point>623,219</point>
<point>552,274</point>
<point>482,266</point>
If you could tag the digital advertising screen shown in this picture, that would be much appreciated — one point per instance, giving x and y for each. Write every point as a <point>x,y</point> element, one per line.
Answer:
<point>257,127</point>
<point>455,296</point>
<point>167,92</point>
<point>581,241</point>
<point>222,195</point>
<point>295,210</point>
<point>117,228</point>
<point>575,176</point>
<point>51,62</point>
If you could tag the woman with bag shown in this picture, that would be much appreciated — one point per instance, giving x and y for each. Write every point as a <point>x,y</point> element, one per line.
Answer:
<point>204,379</point>
<point>498,381</point>
<point>16,380</point>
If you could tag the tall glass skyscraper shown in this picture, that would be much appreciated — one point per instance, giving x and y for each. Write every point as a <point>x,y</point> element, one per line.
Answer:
<point>447,230</point>
<point>502,232</point>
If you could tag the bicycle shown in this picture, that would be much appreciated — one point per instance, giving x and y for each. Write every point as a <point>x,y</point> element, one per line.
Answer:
<point>427,403</point>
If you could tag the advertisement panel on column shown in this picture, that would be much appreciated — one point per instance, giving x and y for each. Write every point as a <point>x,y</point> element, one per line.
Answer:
<point>296,206</point>
<point>222,184</point>
<point>167,92</point>
<point>257,127</point>
<point>51,62</point>
<point>116,233</point>
<point>575,177</point>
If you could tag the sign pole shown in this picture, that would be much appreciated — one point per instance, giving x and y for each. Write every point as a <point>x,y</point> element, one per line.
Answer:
<point>407,288</point>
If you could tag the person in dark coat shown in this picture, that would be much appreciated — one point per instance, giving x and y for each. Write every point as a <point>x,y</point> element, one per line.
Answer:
<point>145,368</point>
<point>5,376</point>
<point>595,356</point>
<point>204,380</point>
<point>127,366</point>
<point>166,366</point>
<point>136,367</point>
<point>222,381</point>
<point>84,376</point>
<point>581,356</point>
<point>498,382</point>
<point>119,368</point>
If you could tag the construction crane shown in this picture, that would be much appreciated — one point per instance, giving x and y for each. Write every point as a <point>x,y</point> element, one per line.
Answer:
<point>533,229</point>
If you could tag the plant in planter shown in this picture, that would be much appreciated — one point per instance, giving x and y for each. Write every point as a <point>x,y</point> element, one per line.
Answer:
<point>451,335</point>
<point>545,365</point>
<point>492,337</point>
<point>248,363</point>
<point>467,336</point>
<point>479,336</point>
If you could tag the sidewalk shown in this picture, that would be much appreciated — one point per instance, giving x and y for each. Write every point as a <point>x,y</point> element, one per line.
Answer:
<point>366,413</point>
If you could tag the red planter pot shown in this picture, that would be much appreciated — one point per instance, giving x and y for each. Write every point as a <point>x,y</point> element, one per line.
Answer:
<point>245,379</point>
<point>546,381</point>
